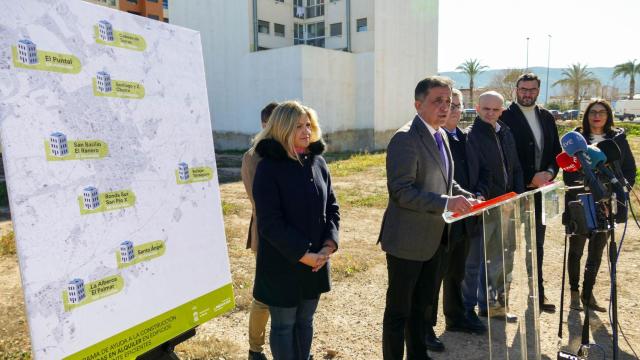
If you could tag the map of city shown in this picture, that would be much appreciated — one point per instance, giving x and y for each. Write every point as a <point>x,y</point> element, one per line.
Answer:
<point>117,217</point>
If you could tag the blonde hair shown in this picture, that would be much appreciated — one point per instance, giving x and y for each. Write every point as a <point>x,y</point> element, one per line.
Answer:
<point>282,125</point>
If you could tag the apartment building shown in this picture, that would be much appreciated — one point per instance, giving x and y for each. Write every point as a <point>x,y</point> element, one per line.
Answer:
<point>355,61</point>
<point>339,24</point>
<point>153,9</point>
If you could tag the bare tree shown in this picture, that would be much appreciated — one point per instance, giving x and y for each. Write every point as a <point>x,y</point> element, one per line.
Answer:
<point>504,82</point>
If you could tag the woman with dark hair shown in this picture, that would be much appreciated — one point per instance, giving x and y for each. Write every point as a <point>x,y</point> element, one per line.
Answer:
<point>298,222</point>
<point>597,125</point>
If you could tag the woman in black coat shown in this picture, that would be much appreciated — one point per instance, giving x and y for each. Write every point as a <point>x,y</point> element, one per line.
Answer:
<point>298,222</point>
<point>597,125</point>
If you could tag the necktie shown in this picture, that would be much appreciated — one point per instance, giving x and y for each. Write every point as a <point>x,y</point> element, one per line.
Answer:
<point>443,153</point>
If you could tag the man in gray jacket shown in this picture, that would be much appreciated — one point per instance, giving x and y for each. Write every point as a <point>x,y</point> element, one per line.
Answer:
<point>420,184</point>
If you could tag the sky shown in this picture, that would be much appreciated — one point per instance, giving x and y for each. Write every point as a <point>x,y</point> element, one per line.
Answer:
<point>598,33</point>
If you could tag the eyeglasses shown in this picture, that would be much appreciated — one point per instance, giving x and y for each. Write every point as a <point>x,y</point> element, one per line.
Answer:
<point>598,113</point>
<point>456,106</point>
<point>527,90</point>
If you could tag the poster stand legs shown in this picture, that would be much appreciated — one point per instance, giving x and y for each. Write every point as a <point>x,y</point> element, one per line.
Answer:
<point>165,351</point>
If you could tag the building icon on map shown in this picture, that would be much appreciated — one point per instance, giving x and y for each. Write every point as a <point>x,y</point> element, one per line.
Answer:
<point>75,291</point>
<point>183,171</point>
<point>106,30</point>
<point>103,80</point>
<point>126,251</point>
<point>90,197</point>
<point>27,52</point>
<point>58,144</point>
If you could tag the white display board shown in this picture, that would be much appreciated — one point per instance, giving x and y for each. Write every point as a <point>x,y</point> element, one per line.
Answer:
<point>111,175</point>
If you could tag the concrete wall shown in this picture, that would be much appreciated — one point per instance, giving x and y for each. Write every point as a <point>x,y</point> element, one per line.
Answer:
<point>361,98</point>
<point>405,53</point>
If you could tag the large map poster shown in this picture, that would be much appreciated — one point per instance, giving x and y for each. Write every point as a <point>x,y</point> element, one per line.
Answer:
<point>111,174</point>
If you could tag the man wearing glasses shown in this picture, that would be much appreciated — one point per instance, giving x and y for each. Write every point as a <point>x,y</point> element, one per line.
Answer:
<point>536,135</point>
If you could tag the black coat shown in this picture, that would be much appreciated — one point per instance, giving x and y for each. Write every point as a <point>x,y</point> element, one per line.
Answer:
<point>461,176</point>
<point>526,142</point>
<point>296,212</point>
<point>486,166</point>
<point>627,162</point>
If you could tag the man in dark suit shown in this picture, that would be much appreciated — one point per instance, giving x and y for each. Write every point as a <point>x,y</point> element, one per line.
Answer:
<point>452,265</point>
<point>420,184</point>
<point>536,135</point>
<point>494,170</point>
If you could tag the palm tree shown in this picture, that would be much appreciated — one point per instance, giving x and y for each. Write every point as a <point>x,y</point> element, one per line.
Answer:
<point>471,67</point>
<point>576,77</point>
<point>630,68</point>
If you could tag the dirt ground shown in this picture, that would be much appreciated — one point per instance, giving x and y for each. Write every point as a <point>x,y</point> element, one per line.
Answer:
<point>348,323</point>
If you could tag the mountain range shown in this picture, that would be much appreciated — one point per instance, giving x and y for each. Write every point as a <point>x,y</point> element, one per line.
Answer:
<point>482,80</point>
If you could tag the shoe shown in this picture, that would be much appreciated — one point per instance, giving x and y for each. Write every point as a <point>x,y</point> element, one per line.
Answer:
<point>500,312</point>
<point>432,342</point>
<point>256,355</point>
<point>593,305</point>
<point>483,313</point>
<point>475,322</point>
<point>576,303</point>
<point>546,306</point>
<point>466,327</point>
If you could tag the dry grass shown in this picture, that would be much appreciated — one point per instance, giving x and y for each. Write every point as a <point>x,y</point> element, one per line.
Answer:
<point>8,244</point>
<point>206,348</point>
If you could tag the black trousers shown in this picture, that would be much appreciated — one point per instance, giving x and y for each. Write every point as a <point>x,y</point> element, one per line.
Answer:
<point>450,276</point>
<point>597,243</point>
<point>409,295</point>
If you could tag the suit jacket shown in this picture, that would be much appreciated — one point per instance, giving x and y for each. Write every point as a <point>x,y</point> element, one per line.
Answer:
<point>526,142</point>
<point>418,185</point>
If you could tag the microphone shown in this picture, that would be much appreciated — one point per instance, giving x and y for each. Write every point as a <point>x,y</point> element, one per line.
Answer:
<point>574,144</point>
<point>598,159</point>
<point>568,163</point>
<point>613,154</point>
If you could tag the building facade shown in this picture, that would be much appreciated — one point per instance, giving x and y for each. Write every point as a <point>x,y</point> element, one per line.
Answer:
<point>153,9</point>
<point>356,62</point>
<point>105,29</point>
<point>103,81</point>
<point>75,291</point>
<point>27,52</point>
<point>183,171</point>
<point>126,252</point>
<point>91,198</point>
<point>58,144</point>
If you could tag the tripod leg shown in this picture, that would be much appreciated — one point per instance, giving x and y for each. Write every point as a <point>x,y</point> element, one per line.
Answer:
<point>564,271</point>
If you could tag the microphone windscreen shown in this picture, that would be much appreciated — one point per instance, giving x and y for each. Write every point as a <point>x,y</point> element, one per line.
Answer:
<point>610,149</point>
<point>597,157</point>
<point>573,142</point>
<point>568,163</point>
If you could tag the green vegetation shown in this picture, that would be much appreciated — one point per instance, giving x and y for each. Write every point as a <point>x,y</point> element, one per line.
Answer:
<point>355,163</point>
<point>346,265</point>
<point>356,197</point>
<point>229,208</point>
<point>8,244</point>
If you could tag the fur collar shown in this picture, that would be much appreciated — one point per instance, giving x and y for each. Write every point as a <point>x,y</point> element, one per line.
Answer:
<point>269,148</point>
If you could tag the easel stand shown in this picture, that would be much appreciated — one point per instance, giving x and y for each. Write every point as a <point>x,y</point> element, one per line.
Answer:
<point>166,350</point>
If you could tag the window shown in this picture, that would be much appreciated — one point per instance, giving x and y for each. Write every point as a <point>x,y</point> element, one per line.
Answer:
<point>315,30</point>
<point>314,8</point>
<point>154,17</point>
<point>280,1</point>
<point>298,34</point>
<point>336,29</point>
<point>133,1</point>
<point>133,12</point>
<point>153,1</point>
<point>278,29</point>
<point>361,25</point>
<point>165,20</point>
<point>165,4</point>
<point>263,27</point>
